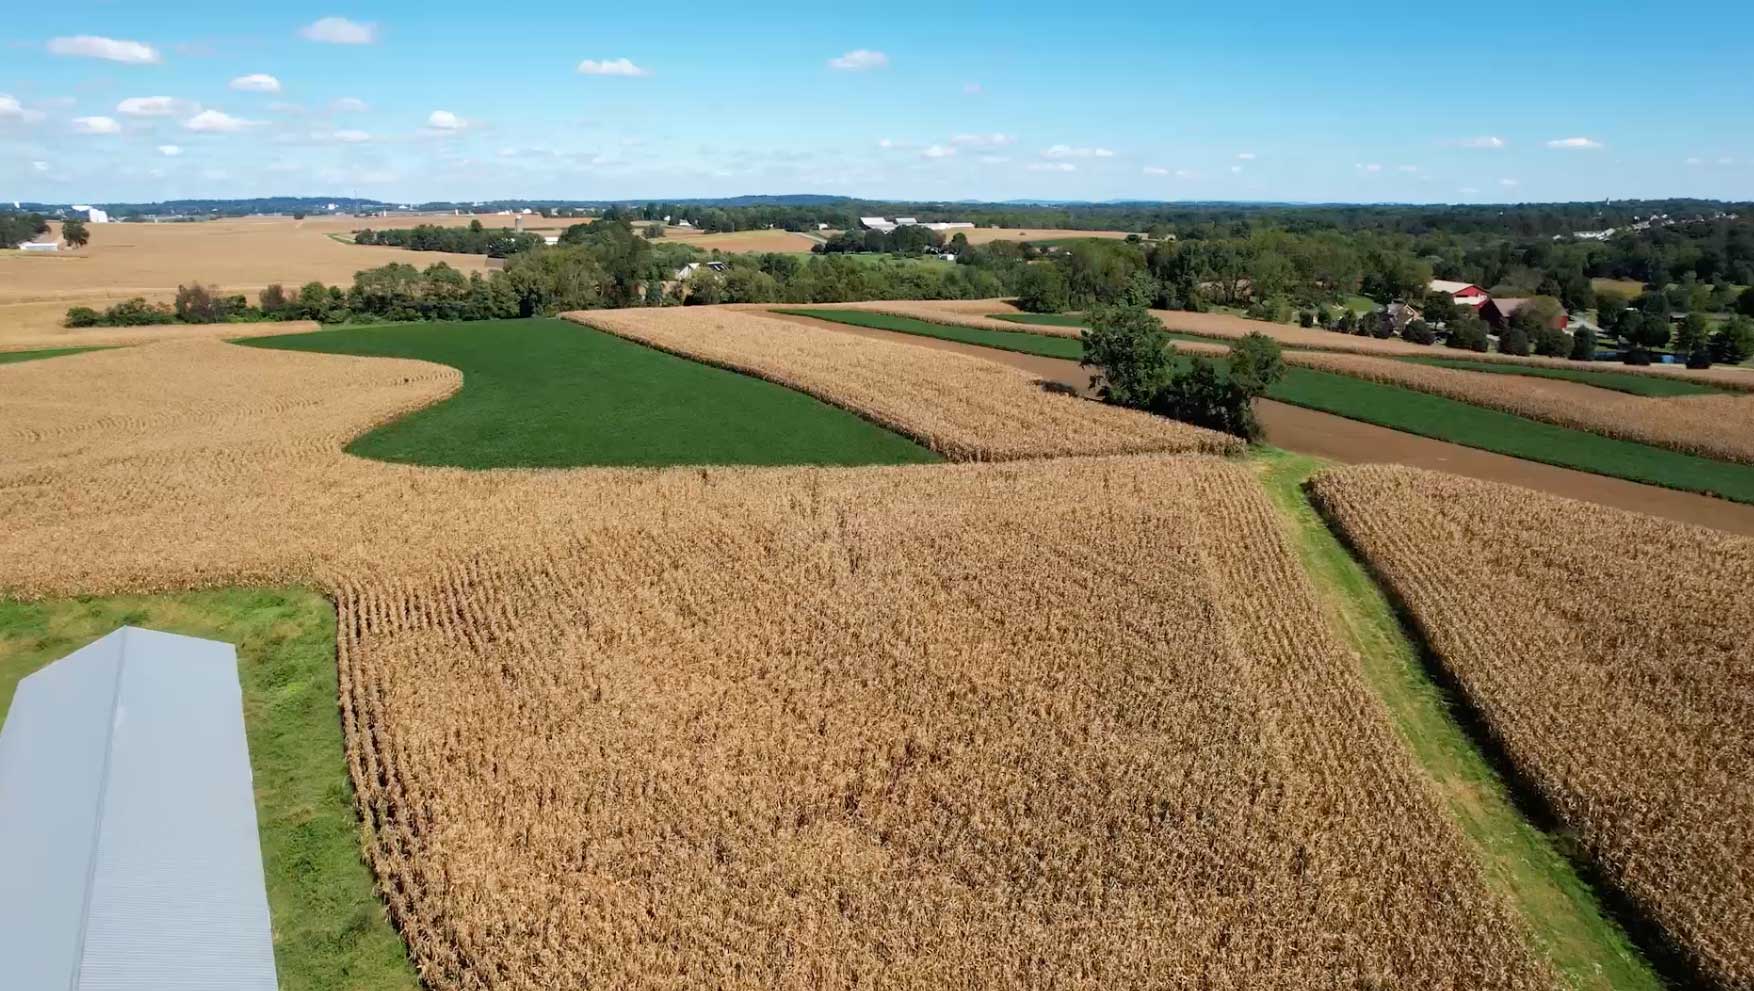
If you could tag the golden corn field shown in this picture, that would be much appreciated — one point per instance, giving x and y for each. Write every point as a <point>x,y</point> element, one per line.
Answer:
<point>1073,722</point>
<point>1610,654</point>
<point>964,408</point>
<point>1713,425</point>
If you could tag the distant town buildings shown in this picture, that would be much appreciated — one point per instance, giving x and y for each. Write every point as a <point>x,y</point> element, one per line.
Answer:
<point>92,214</point>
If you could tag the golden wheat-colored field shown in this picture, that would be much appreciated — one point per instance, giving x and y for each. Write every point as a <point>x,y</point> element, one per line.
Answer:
<point>151,260</point>
<point>962,407</point>
<point>1068,722</point>
<point>1610,654</point>
<point>738,241</point>
<point>1714,425</point>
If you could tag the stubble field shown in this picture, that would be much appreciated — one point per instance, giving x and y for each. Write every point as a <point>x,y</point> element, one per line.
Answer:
<point>1614,672</point>
<point>1072,722</point>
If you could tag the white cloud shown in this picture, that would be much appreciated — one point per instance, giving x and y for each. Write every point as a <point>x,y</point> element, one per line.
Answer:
<point>91,46</point>
<point>611,67</point>
<point>444,120</point>
<point>1576,144</point>
<point>1509,183</point>
<point>938,151</point>
<point>349,105</point>
<point>1236,169</point>
<point>1468,191</point>
<point>971,89</point>
<point>1696,160</point>
<point>993,140</point>
<point>1186,174</point>
<point>216,175</point>
<point>1483,141</point>
<point>859,60</point>
<point>169,151</point>
<point>256,82</point>
<point>885,143</point>
<point>994,159</point>
<point>156,106</point>
<point>1370,167</point>
<point>1409,169</point>
<point>1052,167</point>
<point>217,122</point>
<point>350,136</point>
<point>1154,170</point>
<point>1726,160</point>
<point>96,125</point>
<point>1067,151</point>
<point>339,31</point>
<point>11,109</point>
<point>40,168</point>
<point>1247,156</point>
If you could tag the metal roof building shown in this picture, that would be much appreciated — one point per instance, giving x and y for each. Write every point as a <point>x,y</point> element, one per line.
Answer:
<point>129,856</point>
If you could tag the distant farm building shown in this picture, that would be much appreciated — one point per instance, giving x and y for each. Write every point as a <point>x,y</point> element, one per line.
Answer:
<point>40,246</point>
<point>129,855</point>
<point>1400,315</point>
<point>885,225</point>
<point>91,214</point>
<point>1497,312</point>
<point>1464,293</point>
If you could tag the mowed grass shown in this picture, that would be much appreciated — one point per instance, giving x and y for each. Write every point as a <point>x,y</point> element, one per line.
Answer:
<point>550,393</point>
<point>1409,411</point>
<point>1630,382</point>
<point>14,357</point>
<point>330,931</point>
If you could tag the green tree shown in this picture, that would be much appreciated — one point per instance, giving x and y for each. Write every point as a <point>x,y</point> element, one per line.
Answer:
<point>1130,351</point>
<point>1733,343</point>
<point>75,234</point>
<point>654,231</point>
<point>1418,332</point>
<point>1513,340</point>
<point>273,301</point>
<point>1693,334</point>
<point>1536,313</point>
<point>1440,307</point>
<point>1201,396</point>
<point>1583,345</point>
<point>1042,290</point>
<point>1745,302</point>
<point>1467,333</point>
<point>1551,342</point>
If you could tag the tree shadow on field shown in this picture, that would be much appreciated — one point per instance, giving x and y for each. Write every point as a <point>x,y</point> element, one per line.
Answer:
<point>1670,962</point>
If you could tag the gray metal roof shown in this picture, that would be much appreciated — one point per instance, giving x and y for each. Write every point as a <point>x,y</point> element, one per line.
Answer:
<point>129,856</point>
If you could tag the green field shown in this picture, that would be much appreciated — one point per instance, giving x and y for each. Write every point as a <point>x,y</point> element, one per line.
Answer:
<point>1409,411</point>
<point>13,357</point>
<point>330,931</point>
<point>1632,382</point>
<point>1022,341</point>
<point>550,393</point>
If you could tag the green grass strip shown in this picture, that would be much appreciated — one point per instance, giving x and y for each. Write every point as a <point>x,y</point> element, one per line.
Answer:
<point>14,357</point>
<point>1022,341</point>
<point>1413,412</point>
<point>1079,320</point>
<point>551,393</point>
<point>330,931</point>
<point>1632,382</point>
<point>1524,864</point>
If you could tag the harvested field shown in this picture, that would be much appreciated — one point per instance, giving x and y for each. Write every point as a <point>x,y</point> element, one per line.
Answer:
<point>1717,425</point>
<point>1614,674</point>
<point>740,241</point>
<point>151,260</point>
<point>109,337</point>
<point>987,235</point>
<point>963,408</point>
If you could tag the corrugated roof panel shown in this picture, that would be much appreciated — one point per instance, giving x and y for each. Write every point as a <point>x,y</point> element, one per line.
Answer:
<point>170,885</point>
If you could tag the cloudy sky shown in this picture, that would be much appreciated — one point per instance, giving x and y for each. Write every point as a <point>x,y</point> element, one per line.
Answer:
<point>108,101</point>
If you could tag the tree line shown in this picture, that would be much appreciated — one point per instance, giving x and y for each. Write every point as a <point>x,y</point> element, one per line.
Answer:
<point>475,239</point>
<point>17,228</point>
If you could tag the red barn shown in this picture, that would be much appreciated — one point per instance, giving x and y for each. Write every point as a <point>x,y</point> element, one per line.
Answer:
<point>1464,293</point>
<point>1497,313</point>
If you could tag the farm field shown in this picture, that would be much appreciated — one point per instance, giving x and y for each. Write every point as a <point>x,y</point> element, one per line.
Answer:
<point>740,241</point>
<point>987,235</point>
<point>330,930</point>
<point>1385,403</point>
<point>151,260</point>
<point>1646,755</point>
<point>963,408</point>
<point>1628,382</point>
<point>827,688</point>
<point>14,357</point>
<point>550,393</point>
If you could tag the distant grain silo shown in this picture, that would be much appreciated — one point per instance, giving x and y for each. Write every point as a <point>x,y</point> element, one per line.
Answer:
<point>129,856</point>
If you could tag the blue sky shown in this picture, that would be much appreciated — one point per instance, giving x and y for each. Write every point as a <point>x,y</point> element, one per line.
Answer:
<point>436,99</point>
